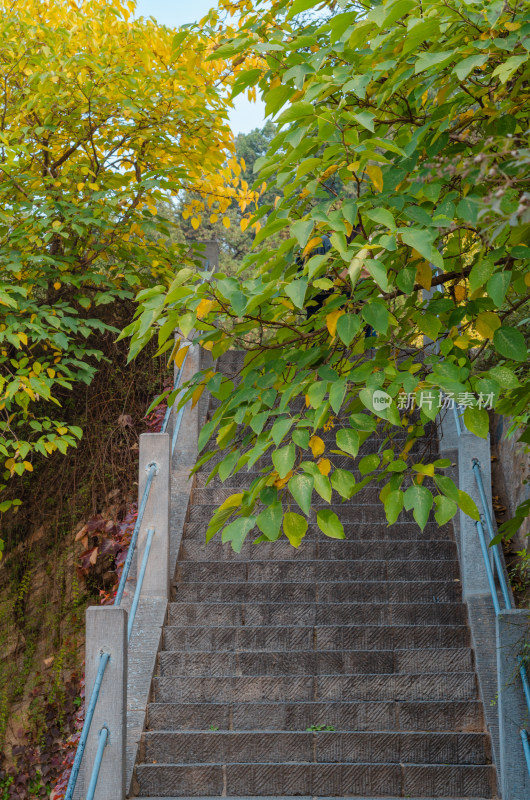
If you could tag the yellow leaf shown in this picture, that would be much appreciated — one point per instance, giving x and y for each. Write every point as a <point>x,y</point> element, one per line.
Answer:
<point>313,242</point>
<point>51,372</point>
<point>460,292</point>
<point>10,463</point>
<point>57,285</point>
<point>424,275</point>
<point>197,394</point>
<point>331,320</point>
<point>317,446</point>
<point>213,219</point>
<point>512,26</point>
<point>23,338</point>
<point>527,279</point>
<point>207,346</point>
<point>487,323</point>
<point>80,187</point>
<point>195,222</point>
<point>462,342</point>
<point>376,176</point>
<point>181,355</point>
<point>56,224</point>
<point>203,308</point>
<point>324,466</point>
<point>244,224</point>
<point>226,222</point>
<point>62,430</point>
<point>28,465</point>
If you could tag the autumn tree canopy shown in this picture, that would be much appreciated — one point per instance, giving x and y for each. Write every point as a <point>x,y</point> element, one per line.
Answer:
<point>422,110</point>
<point>102,116</point>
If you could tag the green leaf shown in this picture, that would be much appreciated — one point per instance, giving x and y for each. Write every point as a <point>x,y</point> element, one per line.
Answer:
<point>506,70</point>
<point>366,119</point>
<point>316,393</point>
<point>296,292</point>
<point>280,428</point>
<point>504,376</point>
<point>467,504</point>
<point>270,520</point>
<point>510,343</point>
<point>393,504</point>
<point>236,532</point>
<point>463,68</point>
<point>376,315</point>
<point>348,325</point>
<point>447,486</point>
<point>301,438</point>
<point>420,240</point>
<point>378,272</point>
<point>322,486</point>
<point>480,274</point>
<point>382,216</point>
<point>296,111</point>
<point>476,420</point>
<point>498,286</point>
<point>301,488</point>
<point>206,432</point>
<point>348,441</point>
<point>302,231</point>
<point>227,464</point>
<point>420,500</point>
<point>330,524</point>
<point>445,509</point>
<point>298,6</point>
<point>294,527</point>
<point>368,463</point>
<point>343,482</point>
<point>283,459</point>
<point>336,395</point>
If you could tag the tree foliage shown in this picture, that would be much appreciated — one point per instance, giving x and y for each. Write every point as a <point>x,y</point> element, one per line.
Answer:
<point>101,117</point>
<point>421,109</point>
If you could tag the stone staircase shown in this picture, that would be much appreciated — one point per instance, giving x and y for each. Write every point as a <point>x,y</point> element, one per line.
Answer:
<point>366,639</point>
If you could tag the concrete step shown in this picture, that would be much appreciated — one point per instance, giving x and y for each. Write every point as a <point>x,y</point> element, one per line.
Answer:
<point>326,550</point>
<point>244,478</point>
<point>283,613</point>
<point>347,662</point>
<point>218,494</point>
<point>290,571</point>
<point>355,591</point>
<point>326,747</point>
<point>354,531</point>
<point>321,780</point>
<point>319,637</point>
<point>420,448</point>
<point>346,512</point>
<point>284,797</point>
<point>406,687</point>
<point>466,716</point>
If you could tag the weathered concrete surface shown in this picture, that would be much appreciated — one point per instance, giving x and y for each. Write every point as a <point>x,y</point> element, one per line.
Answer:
<point>512,632</point>
<point>106,632</point>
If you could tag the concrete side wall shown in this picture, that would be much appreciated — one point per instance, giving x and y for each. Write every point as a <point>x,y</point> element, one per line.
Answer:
<point>504,706</point>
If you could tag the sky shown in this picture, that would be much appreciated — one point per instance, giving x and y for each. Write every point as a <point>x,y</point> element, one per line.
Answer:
<point>245,116</point>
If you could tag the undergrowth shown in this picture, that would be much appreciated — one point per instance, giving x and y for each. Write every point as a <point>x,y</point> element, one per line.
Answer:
<point>50,574</point>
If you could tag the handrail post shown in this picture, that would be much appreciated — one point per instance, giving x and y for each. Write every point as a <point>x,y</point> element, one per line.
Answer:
<point>512,629</point>
<point>106,632</point>
<point>154,447</point>
<point>474,577</point>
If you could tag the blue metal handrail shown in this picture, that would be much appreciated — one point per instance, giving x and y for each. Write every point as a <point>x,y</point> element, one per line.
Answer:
<point>103,661</point>
<point>102,743</point>
<point>151,472</point>
<point>495,548</point>
<point>139,582</point>
<point>526,747</point>
<point>506,594</point>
